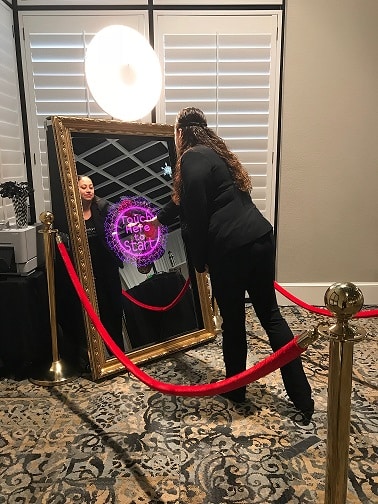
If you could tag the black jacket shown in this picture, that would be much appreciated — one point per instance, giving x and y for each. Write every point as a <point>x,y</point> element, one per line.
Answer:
<point>99,209</point>
<point>216,216</point>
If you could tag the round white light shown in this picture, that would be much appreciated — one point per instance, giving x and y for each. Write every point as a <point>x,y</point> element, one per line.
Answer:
<point>123,73</point>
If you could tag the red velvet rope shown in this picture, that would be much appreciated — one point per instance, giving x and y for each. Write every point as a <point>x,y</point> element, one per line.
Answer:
<point>320,311</point>
<point>158,308</point>
<point>271,363</point>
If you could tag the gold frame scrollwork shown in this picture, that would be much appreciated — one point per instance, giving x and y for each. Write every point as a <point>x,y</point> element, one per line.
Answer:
<point>101,365</point>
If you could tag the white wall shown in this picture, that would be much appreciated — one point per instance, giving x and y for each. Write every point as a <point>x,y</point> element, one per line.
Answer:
<point>328,205</point>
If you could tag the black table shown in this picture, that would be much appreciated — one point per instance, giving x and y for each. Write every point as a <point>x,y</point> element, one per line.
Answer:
<point>25,336</point>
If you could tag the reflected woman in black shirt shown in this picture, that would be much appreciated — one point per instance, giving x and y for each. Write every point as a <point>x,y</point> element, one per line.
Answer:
<point>105,264</point>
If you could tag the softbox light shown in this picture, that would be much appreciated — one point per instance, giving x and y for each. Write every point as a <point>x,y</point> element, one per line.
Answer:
<point>123,73</point>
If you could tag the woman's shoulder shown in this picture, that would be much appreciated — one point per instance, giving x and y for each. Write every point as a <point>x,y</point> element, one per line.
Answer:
<point>202,149</point>
<point>202,154</point>
<point>101,204</point>
<point>100,207</point>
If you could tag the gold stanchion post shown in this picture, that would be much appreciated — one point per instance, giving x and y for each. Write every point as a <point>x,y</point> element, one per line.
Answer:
<point>58,371</point>
<point>344,300</point>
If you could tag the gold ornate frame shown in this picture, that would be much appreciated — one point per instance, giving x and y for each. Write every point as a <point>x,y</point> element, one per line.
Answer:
<point>101,366</point>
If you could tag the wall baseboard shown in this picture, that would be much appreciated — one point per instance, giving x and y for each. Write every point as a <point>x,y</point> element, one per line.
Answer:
<point>313,293</point>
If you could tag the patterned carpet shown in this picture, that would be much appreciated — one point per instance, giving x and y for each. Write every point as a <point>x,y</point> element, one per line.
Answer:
<point>118,442</point>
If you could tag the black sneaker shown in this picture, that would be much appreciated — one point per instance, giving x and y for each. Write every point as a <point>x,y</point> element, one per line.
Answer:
<point>236,396</point>
<point>307,414</point>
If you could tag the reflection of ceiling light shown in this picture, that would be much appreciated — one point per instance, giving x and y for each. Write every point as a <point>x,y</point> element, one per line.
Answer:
<point>167,170</point>
<point>123,73</point>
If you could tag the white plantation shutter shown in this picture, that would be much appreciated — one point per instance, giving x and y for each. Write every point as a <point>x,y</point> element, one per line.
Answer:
<point>12,166</point>
<point>228,66</point>
<point>225,63</point>
<point>54,55</point>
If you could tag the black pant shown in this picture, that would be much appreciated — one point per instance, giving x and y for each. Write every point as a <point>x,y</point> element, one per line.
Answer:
<point>252,268</point>
<point>109,297</point>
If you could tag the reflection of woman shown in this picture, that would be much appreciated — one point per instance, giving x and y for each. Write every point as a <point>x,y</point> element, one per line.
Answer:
<point>227,235</point>
<point>105,264</point>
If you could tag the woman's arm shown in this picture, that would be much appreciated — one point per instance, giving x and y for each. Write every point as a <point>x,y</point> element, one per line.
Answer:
<point>196,181</point>
<point>168,213</point>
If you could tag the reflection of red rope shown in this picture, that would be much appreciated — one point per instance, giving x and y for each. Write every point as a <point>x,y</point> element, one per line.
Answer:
<point>159,308</point>
<point>320,311</point>
<point>274,361</point>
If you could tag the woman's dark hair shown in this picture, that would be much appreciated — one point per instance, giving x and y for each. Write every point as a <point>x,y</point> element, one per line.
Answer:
<point>193,123</point>
<point>79,177</point>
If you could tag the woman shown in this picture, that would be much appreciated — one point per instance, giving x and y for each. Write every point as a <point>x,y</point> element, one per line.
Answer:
<point>228,236</point>
<point>105,264</point>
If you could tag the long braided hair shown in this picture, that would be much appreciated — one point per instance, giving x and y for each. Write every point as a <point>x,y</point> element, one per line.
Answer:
<point>192,123</point>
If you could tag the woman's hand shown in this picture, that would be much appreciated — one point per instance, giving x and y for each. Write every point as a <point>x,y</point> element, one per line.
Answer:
<point>153,222</point>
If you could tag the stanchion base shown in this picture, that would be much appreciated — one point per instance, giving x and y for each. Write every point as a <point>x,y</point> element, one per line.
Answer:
<point>58,372</point>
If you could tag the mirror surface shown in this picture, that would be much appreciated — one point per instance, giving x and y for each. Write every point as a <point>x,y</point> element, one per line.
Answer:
<point>151,303</point>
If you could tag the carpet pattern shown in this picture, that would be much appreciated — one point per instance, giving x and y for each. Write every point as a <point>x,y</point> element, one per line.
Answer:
<point>116,441</point>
